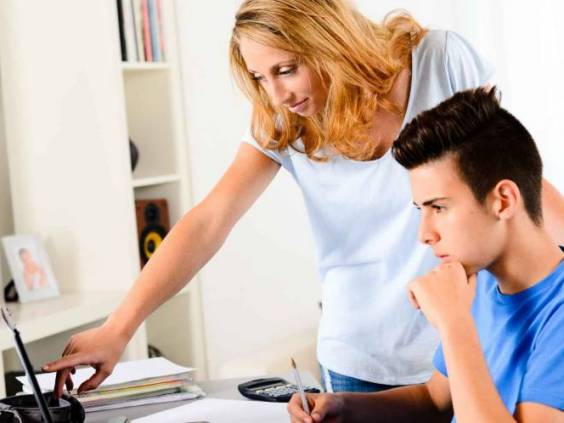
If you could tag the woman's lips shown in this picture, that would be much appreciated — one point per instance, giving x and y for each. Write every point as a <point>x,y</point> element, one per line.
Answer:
<point>299,107</point>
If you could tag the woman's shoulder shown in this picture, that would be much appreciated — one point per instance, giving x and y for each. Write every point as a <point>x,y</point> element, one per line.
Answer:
<point>441,43</point>
<point>452,55</point>
<point>434,39</point>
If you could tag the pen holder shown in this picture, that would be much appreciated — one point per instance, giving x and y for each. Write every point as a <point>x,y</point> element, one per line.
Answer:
<point>24,409</point>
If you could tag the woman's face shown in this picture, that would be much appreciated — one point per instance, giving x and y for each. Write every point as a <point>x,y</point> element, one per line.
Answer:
<point>287,82</point>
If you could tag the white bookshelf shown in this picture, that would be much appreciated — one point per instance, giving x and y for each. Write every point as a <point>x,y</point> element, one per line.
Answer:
<point>154,110</point>
<point>69,166</point>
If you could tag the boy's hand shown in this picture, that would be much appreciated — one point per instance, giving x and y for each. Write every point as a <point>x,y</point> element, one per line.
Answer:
<point>444,294</point>
<point>324,408</point>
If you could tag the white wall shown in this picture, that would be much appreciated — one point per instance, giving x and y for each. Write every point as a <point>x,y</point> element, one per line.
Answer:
<point>262,286</point>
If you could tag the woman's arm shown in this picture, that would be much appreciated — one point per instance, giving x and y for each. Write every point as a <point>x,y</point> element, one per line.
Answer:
<point>188,246</point>
<point>195,238</point>
<point>553,211</point>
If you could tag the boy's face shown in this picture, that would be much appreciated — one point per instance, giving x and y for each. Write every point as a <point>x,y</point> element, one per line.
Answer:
<point>453,222</point>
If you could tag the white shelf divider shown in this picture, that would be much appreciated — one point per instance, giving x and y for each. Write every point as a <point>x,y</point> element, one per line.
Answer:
<point>144,66</point>
<point>155,180</point>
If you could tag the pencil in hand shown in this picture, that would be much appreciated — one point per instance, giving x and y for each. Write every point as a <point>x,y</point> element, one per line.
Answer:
<point>300,386</point>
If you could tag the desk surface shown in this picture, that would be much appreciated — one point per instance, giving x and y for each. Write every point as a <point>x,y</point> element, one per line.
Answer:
<point>220,389</point>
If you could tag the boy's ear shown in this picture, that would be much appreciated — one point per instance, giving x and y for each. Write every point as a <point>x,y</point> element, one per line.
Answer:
<point>504,199</point>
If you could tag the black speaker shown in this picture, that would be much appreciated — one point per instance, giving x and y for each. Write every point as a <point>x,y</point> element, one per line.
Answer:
<point>152,225</point>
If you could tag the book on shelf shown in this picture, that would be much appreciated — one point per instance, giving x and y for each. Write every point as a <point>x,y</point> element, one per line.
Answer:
<point>122,44</point>
<point>129,30</point>
<point>154,30</point>
<point>146,31</point>
<point>131,383</point>
<point>138,22</point>
<point>161,32</point>
<point>141,30</point>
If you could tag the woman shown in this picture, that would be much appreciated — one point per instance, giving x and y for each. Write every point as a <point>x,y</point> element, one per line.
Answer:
<point>330,91</point>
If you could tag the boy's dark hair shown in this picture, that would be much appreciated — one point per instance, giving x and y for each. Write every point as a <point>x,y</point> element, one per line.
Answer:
<point>487,142</point>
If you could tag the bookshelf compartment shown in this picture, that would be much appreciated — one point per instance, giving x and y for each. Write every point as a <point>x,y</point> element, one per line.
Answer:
<point>169,191</point>
<point>150,122</point>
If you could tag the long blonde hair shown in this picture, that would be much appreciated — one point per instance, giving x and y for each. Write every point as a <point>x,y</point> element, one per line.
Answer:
<point>358,59</point>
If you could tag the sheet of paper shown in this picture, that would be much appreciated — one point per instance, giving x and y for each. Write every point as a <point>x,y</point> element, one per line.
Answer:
<point>221,411</point>
<point>126,371</point>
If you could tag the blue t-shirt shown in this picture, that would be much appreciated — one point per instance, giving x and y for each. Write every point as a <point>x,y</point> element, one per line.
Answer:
<point>522,339</point>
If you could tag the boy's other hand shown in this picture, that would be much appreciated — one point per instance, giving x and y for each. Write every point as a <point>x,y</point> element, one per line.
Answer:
<point>324,408</point>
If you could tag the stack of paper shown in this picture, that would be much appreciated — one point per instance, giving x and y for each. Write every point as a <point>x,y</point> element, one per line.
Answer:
<point>132,383</point>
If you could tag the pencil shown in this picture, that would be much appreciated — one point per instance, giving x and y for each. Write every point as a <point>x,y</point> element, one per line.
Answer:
<point>300,386</point>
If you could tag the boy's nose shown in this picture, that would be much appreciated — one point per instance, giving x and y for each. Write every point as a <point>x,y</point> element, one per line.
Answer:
<point>427,234</point>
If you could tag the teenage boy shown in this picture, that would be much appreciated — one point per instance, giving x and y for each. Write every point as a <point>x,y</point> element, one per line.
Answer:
<point>497,299</point>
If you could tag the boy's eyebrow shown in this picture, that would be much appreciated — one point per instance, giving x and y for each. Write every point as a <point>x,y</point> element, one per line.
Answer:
<point>430,202</point>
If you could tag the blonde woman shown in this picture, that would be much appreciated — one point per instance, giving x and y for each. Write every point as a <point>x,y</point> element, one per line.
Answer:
<point>330,91</point>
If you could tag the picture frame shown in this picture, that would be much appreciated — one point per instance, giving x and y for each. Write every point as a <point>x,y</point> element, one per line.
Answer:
<point>30,268</point>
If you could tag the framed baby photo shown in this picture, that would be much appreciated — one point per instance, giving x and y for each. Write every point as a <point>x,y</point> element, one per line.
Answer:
<point>30,267</point>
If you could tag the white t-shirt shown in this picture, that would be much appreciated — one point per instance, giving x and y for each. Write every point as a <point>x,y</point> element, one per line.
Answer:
<point>365,230</point>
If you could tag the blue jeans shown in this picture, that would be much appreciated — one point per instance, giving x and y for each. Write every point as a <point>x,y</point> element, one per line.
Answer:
<point>335,382</point>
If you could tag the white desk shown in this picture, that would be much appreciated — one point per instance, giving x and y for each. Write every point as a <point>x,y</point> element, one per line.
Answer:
<point>220,389</point>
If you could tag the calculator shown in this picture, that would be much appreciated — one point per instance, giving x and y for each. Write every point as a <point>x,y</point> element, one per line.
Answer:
<point>272,389</point>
